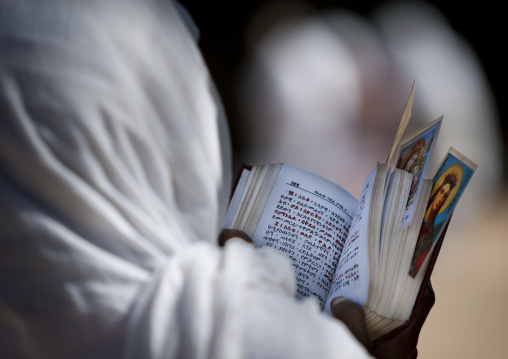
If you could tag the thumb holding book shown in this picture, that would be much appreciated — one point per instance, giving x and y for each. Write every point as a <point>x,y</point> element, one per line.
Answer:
<point>227,234</point>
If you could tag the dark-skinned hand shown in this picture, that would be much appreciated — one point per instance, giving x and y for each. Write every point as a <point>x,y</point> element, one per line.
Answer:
<point>402,346</point>
<point>227,234</point>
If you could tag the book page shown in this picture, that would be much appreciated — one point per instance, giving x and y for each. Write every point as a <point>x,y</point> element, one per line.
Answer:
<point>406,116</point>
<point>307,218</point>
<point>352,276</point>
<point>388,191</point>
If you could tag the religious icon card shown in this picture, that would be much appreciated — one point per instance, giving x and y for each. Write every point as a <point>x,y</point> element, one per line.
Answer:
<point>413,157</point>
<point>449,182</point>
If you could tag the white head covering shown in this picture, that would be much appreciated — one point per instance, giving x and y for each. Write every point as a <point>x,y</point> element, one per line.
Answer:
<point>112,189</point>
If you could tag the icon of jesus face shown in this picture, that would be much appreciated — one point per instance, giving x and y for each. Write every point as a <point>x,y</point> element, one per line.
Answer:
<point>441,196</point>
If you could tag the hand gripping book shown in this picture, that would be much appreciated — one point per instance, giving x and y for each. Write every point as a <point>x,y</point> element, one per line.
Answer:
<point>378,250</point>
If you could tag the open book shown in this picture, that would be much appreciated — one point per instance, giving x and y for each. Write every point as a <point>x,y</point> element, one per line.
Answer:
<point>377,250</point>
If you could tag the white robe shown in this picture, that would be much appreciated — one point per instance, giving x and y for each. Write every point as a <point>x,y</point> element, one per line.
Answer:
<point>114,175</point>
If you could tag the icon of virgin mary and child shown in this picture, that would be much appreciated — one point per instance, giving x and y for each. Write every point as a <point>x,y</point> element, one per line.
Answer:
<point>413,163</point>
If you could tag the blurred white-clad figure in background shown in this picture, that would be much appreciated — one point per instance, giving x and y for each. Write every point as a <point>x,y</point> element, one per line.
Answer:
<point>302,77</point>
<point>304,96</point>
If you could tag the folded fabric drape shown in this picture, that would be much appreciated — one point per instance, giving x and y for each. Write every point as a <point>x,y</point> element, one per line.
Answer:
<point>114,175</point>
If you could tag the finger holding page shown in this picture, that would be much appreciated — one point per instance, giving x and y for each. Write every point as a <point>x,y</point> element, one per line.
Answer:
<point>227,234</point>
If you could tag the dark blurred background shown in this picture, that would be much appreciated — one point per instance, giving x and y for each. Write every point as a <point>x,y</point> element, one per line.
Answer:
<point>331,104</point>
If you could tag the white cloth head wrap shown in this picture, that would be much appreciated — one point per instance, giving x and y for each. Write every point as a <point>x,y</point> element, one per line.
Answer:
<point>112,189</point>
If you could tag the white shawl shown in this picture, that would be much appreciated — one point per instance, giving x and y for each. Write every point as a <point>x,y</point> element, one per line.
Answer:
<point>112,187</point>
